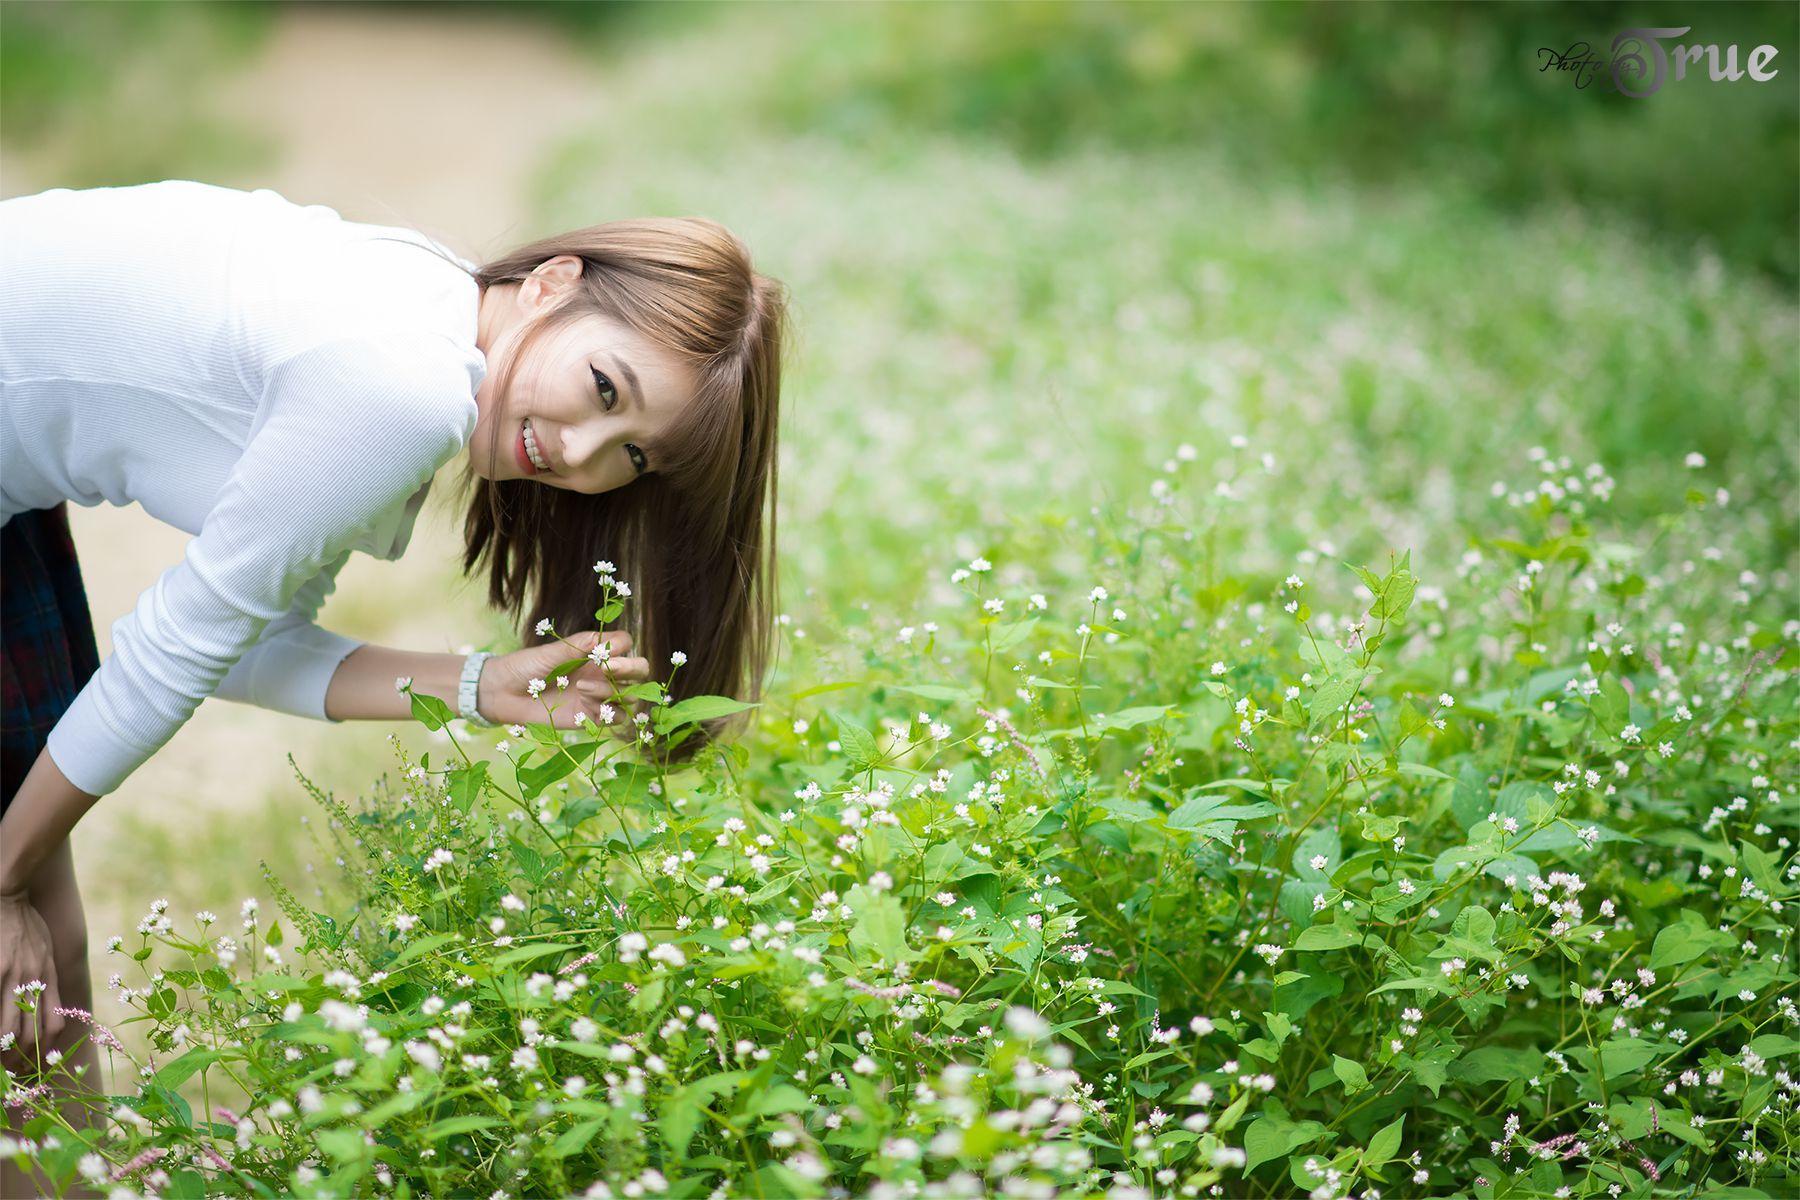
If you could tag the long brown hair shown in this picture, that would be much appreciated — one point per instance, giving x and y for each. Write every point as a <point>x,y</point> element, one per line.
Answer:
<point>687,535</point>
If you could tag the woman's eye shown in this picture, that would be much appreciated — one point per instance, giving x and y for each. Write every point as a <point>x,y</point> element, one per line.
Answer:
<point>605,388</point>
<point>637,457</point>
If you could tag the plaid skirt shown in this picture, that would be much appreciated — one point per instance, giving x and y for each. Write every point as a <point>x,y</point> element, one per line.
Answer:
<point>47,649</point>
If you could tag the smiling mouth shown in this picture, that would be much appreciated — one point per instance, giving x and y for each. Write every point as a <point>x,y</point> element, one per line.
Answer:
<point>526,450</point>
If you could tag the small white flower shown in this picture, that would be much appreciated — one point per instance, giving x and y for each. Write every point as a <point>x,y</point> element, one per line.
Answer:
<point>402,682</point>
<point>678,658</point>
<point>1022,1022</point>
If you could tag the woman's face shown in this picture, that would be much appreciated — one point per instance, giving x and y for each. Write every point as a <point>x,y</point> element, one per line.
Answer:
<point>596,397</point>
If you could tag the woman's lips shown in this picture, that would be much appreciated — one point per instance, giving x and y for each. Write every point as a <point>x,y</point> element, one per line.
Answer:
<point>523,455</point>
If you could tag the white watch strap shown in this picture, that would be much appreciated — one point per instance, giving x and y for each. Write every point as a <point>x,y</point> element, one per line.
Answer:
<point>467,689</point>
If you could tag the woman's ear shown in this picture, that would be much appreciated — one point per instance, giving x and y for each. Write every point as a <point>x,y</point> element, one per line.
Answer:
<point>548,281</point>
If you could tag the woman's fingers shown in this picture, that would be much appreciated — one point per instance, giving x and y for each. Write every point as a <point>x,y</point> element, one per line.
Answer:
<point>50,1022</point>
<point>617,640</point>
<point>10,1014</point>
<point>625,670</point>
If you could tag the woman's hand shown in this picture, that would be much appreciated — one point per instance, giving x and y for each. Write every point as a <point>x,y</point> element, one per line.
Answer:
<point>26,955</point>
<point>504,698</point>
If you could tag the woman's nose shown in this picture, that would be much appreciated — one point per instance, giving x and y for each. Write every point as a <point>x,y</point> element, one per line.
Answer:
<point>580,444</point>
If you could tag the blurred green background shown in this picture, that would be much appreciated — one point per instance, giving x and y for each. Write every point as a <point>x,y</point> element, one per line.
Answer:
<point>1033,249</point>
<point>1378,93</point>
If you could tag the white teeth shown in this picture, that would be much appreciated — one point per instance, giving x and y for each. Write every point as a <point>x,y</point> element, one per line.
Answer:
<point>537,460</point>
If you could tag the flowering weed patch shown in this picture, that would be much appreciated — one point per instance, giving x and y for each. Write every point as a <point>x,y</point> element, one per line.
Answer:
<point>1134,873</point>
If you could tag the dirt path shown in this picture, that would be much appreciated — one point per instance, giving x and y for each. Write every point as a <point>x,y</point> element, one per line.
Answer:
<point>393,117</point>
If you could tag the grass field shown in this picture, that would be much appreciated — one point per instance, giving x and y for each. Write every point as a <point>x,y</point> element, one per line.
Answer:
<point>1210,391</point>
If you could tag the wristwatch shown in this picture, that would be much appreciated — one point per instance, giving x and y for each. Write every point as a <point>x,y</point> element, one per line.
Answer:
<point>468,687</point>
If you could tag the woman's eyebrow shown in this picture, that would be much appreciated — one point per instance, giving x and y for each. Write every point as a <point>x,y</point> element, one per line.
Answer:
<point>631,379</point>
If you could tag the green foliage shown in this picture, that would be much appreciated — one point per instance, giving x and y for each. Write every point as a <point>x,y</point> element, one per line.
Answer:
<point>1231,922</point>
<point>1448,92</point>
<point>1230,850</point>
<point>116,94</point>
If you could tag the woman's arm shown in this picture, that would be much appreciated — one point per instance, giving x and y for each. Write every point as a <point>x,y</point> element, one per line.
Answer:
<point>362,688</point>
<point>38,818</point>
<point>47,806</point>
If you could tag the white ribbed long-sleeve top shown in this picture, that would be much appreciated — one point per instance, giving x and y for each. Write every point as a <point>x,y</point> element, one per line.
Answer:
<point>267,376</point>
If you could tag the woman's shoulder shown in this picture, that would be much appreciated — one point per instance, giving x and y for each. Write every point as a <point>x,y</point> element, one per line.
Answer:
<point>409,372</point>
<point>359,287</point>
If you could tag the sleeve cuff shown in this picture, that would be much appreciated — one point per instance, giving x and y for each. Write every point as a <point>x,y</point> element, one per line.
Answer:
<point>88,751</point>
<point>291,672</point>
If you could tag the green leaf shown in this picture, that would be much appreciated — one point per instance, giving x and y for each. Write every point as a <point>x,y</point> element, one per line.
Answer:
<point>1774,1045</point>
<point>1497,1064</point>
<point>416,947</point>
<point>466,783</point>
<point>681,1113</point>
<point>773,888</point>
<point>1195,812</point>
<point>1619,1056</point>
<point>1683,942</point>
<point>1319,842</point>
<point>175,1073</point>
<point>950,695</point>
<point>1350,1073</point>
<point>880,923</point>
<point>429,710</point>
<point>454,1125</point>
<point>695,709</point>
<point>533,864</point>
<point>1385,1145</point>
<point>1296,900</point>
<point>1264,1141</point>
<point>1326,937</point>
<point>527,953</point>
<point>782,1098</point>
<point>534,779</point>
<point>1004,637</point>
<point>566,667</point>
<point>1327,702</point>
<point>1274,1134</point>
<point>1474,923</point>
<point>859,745</point>
<point>1130,718</point>
<point>820,689</point>
<point>576,1138</point>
